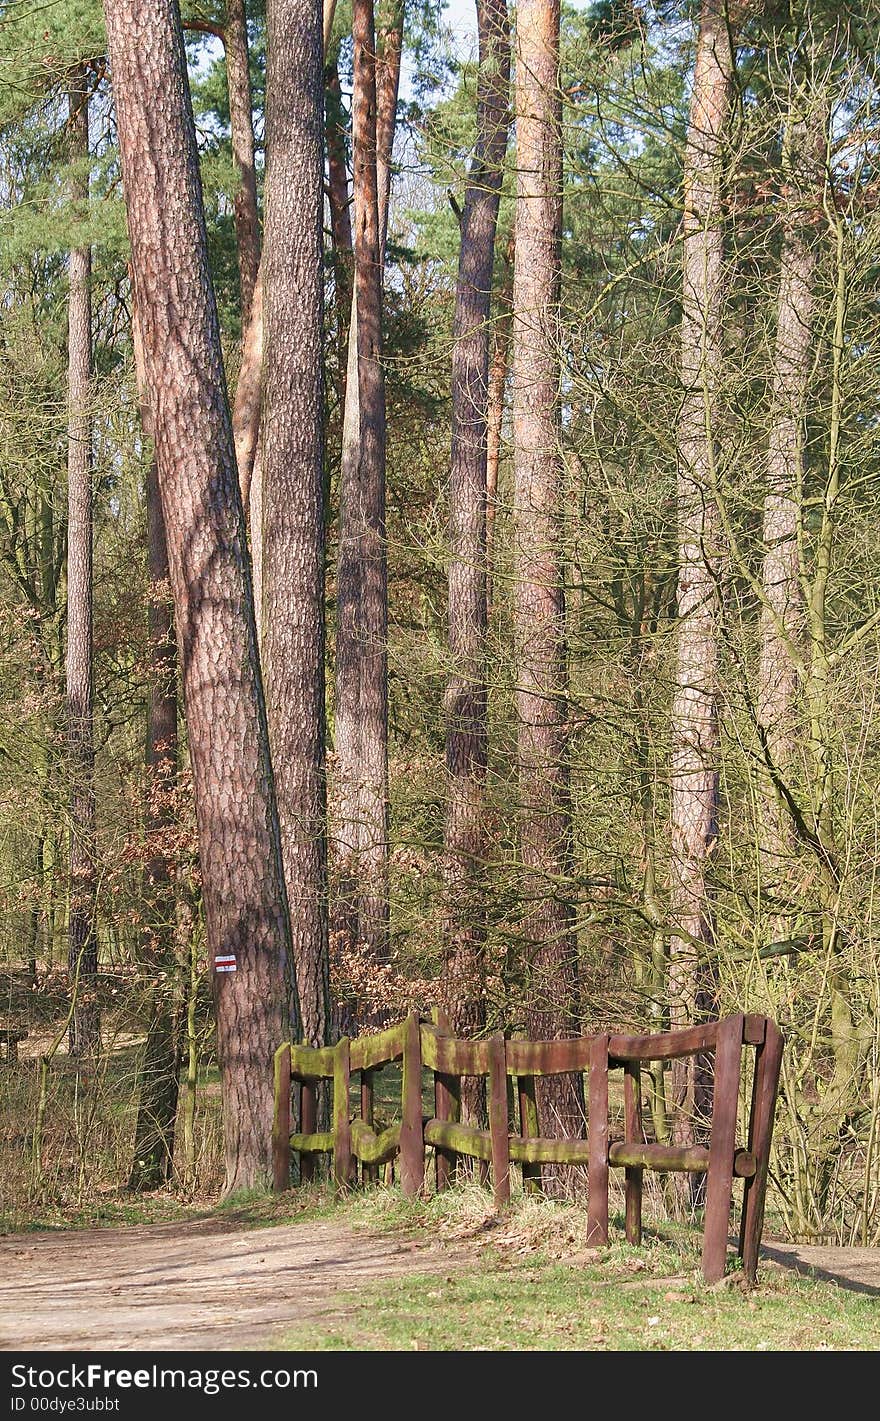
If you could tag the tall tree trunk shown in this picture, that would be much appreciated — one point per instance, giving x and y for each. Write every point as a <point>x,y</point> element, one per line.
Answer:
<point>241,127</point>
<point>389,53</point>
<point>694,772</point>
<point>465,699</point>
<point>153,1155</point>
<point>783,614</point>
<point>498,368</point>
<point>340,217</point>
<point>242,878</point>
<point>293,457</point>
<point>361,701</point>
<point>248,401</point>
<point>539,616</point>
<point>82,938</point>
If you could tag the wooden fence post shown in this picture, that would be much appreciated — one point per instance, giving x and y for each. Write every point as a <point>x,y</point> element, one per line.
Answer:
<point>447,1106</point>
<point>369,1172</point>
<point>632,1110</point>
<point>412,1139</point>
<point>343,1160</point>
<point>281,1121</point>
<point>768,1061</point>
<point>498,1123</point>
<point>308,1125</point>
<point>597,1137</point>
<point>528,1129</point>
<point>722,1144</point>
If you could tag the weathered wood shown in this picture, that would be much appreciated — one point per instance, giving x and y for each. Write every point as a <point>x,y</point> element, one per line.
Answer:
<point>447,1106</point>
<point>369,1171</point>
<point>372,1149</point>
<point>308,1125</point>
<point>632,1113</point>
<point>685,1159</point>
<point>412,1143</point>
<point>528,1129</point>
<point>540,1150</point>
<point>454,1057</point>
<point>281,1121</point>
<point>548,1058</point>
<point>597,1137</point>
<point>664,1045</point>
<point>459,1139</point>
<point>313,1063</point>
<point>498,1122</point>
<point>768,1061</point>
<point>322,1143</point>
<point>754,1028</point>
<point>722,1144</point>
<point>343,1159</point>
<point>380,1049</point>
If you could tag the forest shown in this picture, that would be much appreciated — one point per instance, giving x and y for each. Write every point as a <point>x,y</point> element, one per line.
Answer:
<point>439,561</point>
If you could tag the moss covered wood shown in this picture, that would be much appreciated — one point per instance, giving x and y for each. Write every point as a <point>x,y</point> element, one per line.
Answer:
<point>281,1121</point>
<point>343,1159</point>
<point>372,1149</point>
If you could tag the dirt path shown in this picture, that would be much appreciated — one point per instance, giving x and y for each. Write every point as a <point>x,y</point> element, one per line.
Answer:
<point>206,1285</point>
<point>210,1284</point>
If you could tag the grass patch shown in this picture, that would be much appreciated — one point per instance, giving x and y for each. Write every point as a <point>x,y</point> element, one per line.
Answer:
<point>532,1283</point>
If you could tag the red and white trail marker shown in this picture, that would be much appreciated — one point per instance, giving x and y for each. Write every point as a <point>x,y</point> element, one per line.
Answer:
<point>225,962</point>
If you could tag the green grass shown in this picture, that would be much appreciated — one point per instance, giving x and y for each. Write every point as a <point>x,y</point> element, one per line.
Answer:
<point>503,1305</point>
<point>537,1286</point>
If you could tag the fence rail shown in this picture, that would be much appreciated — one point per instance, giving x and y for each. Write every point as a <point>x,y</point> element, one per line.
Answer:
<point>510,1069</point>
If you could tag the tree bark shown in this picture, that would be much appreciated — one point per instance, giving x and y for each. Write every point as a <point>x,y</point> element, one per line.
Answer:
<point>241,127</point>
<point>243,892</point>
<point>694,732</point>
<point>248,401</point>
<point>539,613</point>
<point>465,702</point>
<point>82,941</point>
<point>389,53</point>
<point>783,614</point>
<point>498,368</point>
<point>293,459</point>
<point>340,218</point>
<point>153,1155</point>
<point>361,700</point>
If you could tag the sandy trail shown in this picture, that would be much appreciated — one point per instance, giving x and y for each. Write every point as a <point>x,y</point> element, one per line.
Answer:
<point>206,1285</point>
<point>212,1285</point>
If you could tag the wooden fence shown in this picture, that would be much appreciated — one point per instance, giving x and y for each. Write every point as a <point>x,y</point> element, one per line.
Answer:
<point>510,1068</point>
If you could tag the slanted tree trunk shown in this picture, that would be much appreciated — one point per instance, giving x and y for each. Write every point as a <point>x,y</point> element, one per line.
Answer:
<point>539,613</point>
<point>783,614</point>
<point>243,890</point>
<point>153,1155</point>
<point>465,702</point>
<point>293,454</point>
<point>361,699</point>
<point>82,941</point>
<point>694,733</point>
